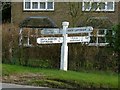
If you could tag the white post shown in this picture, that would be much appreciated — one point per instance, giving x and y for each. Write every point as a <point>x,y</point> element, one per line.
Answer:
<point>28,39</point>
<point>64,48</point>
<point>21,37</point>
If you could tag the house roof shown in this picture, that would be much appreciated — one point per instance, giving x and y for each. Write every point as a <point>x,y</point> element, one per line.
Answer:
<point>98,22</point>
<point>38,22</point>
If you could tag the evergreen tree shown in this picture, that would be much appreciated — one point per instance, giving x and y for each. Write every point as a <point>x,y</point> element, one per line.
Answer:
<point>114,41</point>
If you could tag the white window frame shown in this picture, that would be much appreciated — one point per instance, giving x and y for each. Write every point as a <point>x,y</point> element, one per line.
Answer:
<point>38,9</point>
<point>91,1</point>
<point>97,36</point>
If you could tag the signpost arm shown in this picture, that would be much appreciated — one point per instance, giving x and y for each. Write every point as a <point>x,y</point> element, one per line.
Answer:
<point>64,48</point>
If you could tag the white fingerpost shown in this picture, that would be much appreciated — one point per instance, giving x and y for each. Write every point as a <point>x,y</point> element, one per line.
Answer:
<point>64,48</point>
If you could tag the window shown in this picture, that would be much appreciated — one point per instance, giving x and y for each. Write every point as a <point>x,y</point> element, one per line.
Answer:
<point>102,6</point>
<point>87,5</point>
<point>50,5</point>
<point>101,32</point>
<point>34,5</point>
<point>91,5</point>
<point>42,5</point>
<point>110,5</point>
<point>27,4</point>
<point>38,5</point>
<point>94,6</point>
<point>99,39</point>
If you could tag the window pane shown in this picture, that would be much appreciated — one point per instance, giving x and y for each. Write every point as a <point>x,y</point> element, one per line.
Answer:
<point>109,32</point>
<point>101,40</point>
<point>94,6</point>
<point>109,5</point>
<point>101,32</point>
<point>49,5</point>
<point>92,39</point>
<point>27,5</point>
<point>42,5</point>
<point>86,5</point>
<point>109,35</point>
<point>102,6</point>
<point>35,5</point>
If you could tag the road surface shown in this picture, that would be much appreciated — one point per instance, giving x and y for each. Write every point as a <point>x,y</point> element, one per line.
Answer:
<point>3,86</point>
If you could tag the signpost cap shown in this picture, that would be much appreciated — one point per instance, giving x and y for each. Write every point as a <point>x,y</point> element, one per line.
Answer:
<point>65,23</point>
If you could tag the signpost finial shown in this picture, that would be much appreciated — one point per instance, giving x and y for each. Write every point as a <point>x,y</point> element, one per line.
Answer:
<point>65,24</point>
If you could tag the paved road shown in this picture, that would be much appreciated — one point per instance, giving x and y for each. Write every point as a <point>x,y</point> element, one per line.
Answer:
<point>7,85</point>
<point>13,86</point>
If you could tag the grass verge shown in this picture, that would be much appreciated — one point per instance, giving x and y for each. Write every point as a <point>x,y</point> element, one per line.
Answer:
<point>57,78</point>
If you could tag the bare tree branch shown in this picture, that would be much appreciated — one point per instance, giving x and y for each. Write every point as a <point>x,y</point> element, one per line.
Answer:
<point>4,5</point>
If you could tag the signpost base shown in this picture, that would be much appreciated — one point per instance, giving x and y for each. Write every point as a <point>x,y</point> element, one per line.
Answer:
<point>64,58</point>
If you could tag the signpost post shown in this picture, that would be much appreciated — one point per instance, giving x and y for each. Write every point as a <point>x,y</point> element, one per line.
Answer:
<point>65,39</point>
<point>64,48</point>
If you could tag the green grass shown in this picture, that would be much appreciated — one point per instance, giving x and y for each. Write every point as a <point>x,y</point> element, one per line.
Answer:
<point>62,78</point>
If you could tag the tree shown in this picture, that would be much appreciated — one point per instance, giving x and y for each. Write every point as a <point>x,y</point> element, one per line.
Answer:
<point>5,7</point>
<point>74,11</point>
<point>114,41</point>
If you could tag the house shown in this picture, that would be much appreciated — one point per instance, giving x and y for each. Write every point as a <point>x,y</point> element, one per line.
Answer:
<point>87,12</point>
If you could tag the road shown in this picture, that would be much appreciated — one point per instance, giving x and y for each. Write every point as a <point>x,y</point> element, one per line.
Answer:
<point>14,86</point>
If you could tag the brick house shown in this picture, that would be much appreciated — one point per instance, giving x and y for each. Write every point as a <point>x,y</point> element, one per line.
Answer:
<point>77,13</point>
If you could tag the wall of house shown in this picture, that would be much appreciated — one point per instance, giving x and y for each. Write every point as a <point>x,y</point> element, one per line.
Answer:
<point>58,15</point>
<point>119,12</point>
<point>61,13</point>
